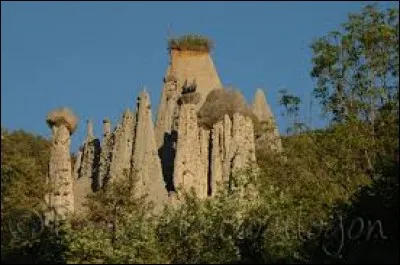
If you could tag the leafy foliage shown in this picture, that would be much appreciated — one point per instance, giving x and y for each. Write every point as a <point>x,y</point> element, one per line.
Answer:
<point>117,228</point>
<point>357,67</point>
<point>190,42</point>
<point>24,168</point>
<point>291,104</point>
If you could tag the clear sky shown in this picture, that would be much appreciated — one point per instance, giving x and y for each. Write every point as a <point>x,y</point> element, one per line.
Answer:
<point>95,57</point>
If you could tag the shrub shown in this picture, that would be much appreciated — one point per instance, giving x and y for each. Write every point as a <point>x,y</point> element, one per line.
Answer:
<point>190,42</point>
<point>223,101</point>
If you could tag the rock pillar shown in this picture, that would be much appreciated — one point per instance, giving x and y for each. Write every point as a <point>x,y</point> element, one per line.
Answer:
<point>61,197</point>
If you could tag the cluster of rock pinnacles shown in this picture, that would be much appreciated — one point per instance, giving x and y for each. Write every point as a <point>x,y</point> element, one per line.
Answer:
<point>174,153</point>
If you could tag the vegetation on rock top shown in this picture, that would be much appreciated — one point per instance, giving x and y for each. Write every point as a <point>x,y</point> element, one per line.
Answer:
<point>190,42</point>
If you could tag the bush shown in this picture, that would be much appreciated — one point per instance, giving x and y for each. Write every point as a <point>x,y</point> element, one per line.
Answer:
<point>190,42</point>
<point>223,101</point>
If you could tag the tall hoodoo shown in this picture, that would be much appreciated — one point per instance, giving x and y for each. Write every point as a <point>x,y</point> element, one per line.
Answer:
<point>233,148</point>
<point>260,107</point>
<point>90,157</point>
<point>105,153</point>
<point>87,179</point>
<point>269,133</point>
<point>220,162</point>
<point>146,164</point>
<point>191,166</point>
<point>123,137</point>
<point>242,147</point>
<point>190,69</point>
<point>61,197</point>
<point>77,165</point>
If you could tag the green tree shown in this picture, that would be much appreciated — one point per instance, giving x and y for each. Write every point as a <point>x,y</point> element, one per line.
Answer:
<point>357,66</point>
<point>118,227</point>
<point>291,104</point>
<point>24,168</point>
<point>357,73</point>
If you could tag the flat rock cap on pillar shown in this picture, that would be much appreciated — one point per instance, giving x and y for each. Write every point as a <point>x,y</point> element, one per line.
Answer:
<point>62,116</point>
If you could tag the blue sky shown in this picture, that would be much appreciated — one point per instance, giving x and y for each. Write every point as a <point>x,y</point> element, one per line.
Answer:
<point>95,57</point>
